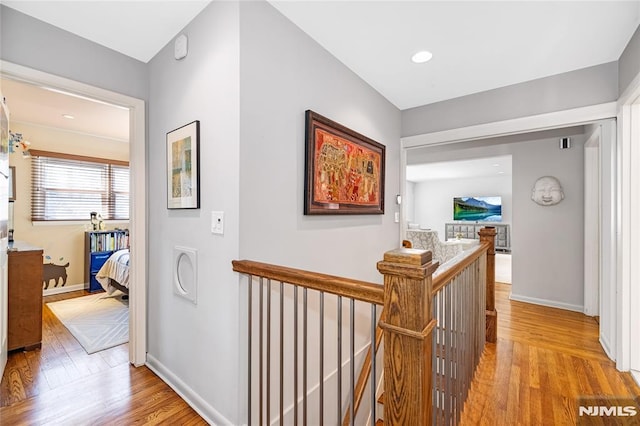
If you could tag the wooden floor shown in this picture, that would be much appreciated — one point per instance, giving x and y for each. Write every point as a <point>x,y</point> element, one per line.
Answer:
<point>544,360</point>
<point>61,384</point>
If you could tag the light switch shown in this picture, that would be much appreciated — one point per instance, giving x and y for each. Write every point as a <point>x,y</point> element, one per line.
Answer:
<point>217,223</point>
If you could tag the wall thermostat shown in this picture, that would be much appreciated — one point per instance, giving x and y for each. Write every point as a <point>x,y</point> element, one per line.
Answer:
<point>180,46</point>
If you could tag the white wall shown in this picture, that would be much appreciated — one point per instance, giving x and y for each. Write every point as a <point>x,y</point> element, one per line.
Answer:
<point>547,242</point>
<point>409,202</point>
<point>434,199</point>
<point>583,87</point>
<point>249,77</point>
<point>196,347</point>
<point>284,73</point>
<point>35,44</point>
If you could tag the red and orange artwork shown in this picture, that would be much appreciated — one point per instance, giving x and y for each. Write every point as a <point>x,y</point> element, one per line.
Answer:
<point>345,172</point>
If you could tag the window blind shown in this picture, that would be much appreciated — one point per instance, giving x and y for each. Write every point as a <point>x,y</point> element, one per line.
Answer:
<point>66,187</point>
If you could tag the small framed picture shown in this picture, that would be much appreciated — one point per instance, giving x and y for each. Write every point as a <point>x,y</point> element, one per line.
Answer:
<point>183,167</point>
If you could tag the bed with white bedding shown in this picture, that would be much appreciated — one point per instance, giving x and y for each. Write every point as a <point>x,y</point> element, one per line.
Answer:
<point>114,274</point>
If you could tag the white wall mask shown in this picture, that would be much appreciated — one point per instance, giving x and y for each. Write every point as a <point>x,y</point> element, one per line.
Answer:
<point>547,191</point>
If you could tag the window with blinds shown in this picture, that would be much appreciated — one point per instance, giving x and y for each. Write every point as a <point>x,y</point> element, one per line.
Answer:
<point>65,187</point>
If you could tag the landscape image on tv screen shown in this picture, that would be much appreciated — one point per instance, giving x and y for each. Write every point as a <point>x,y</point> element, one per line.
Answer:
<point>486,209</point>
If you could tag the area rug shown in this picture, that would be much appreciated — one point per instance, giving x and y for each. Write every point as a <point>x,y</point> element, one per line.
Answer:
<point>98,321</point>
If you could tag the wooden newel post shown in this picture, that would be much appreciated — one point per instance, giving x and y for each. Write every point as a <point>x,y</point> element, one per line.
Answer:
<point>408,331</point>
<point>488,234</point>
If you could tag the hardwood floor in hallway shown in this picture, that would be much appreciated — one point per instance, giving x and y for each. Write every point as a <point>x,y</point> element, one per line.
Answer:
<point>544,361</point>
<point>61,384</point>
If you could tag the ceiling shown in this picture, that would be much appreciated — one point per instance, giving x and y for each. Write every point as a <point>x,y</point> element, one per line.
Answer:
<point>476,45</point>
<point>481,167</point>
<point>138,29</point>
<point>44,107</point>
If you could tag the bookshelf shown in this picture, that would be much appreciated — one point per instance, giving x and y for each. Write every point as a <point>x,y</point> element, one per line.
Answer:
<point>98,247</point>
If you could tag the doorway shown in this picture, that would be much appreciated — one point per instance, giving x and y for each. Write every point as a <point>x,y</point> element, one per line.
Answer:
<point>137,217</point>
<point>527,125</point>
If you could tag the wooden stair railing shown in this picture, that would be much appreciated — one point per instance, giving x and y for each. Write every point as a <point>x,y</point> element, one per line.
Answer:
<point>407,333</point>
<point>407,326</point>
<point>365,372</point>
<point>487,238</point>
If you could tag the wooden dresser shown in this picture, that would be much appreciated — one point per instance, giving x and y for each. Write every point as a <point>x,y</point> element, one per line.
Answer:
<point>25,296</point>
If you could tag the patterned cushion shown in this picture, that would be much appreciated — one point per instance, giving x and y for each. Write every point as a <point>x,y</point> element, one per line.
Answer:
<point>428,240</point>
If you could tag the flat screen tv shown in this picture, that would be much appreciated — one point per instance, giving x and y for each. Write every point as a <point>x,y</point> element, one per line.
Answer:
<point>484,209</point>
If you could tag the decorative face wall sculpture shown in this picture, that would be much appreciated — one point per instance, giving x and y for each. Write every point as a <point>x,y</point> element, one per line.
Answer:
<point>547,191</point>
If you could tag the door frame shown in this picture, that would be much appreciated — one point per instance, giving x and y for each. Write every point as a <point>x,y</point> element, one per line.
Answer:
<point>628,344</point>
<point>620,206</point>
<point>592,229</point>
<point>138,185</point>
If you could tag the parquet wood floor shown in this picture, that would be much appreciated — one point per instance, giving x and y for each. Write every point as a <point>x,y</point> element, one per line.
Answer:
<point>61,384</point>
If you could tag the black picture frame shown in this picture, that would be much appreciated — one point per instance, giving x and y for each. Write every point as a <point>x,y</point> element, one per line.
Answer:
<point>183,167</point>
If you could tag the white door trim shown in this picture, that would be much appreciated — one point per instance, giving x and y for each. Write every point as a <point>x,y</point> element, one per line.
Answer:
<point>137,220</point>
<point>592,217</point>
<point>628,301</point>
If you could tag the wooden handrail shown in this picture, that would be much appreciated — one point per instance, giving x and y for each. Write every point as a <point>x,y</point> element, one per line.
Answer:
<point>407,320</point>
<point>445,277</point>
<point>354,289</point>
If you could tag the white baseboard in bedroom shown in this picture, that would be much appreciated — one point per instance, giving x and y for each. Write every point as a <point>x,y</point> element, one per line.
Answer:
<point>195,401</point>
<point>546,302</point>
<point>65,289</point>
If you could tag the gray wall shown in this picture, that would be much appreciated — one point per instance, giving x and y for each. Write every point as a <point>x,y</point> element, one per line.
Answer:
<point>197,346</point>
<point>433,202</point>
<point>588,86</point>
<point>249,77</point>
<point>629,62</point>
<point>547,242</point>
<point>283,74</point>
<point>32,43</point>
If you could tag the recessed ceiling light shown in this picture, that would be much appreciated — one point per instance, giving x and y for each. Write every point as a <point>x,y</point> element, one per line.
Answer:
<point>496,165</point>
<point>421,57</point>
<point>500,173</point>
<point>69,116</point>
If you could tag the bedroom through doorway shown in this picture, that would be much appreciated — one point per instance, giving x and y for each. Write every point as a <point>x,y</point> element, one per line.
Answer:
<point>59,346</point>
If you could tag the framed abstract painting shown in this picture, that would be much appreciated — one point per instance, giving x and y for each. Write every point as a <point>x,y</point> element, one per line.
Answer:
<point>183,167</point>
<point>344,170</point>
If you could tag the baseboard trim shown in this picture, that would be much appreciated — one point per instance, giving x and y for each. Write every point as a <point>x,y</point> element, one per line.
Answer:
<point>636,376</point>
<point>606,346</point>
<point>546,302</point>
<point>195,401</point>
<point>65,289</point>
